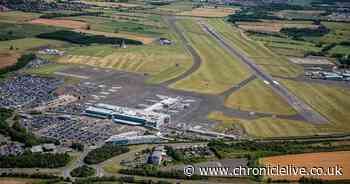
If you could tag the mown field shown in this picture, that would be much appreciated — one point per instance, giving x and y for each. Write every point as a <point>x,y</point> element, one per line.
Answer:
<point>310,160</point>
<point>159,62</point>
<point>259,97</point>
<point>209,12</point>
<point>268,61</point>
<point>265,127</point>
<point>331,101</point>
<point>219,70</point>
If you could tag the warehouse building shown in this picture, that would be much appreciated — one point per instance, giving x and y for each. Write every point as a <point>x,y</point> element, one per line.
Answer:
<point>127,139</point>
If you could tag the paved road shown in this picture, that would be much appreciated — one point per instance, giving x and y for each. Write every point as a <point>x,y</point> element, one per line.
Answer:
<point>196,58</point>
<point>301,107</point>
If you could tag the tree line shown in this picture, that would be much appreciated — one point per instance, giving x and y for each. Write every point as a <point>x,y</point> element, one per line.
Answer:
<point>105,152</point>
<point>35,160</point>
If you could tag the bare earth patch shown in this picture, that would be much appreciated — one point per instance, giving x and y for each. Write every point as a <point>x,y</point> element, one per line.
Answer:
<point>7,59</point>
<point>209,12</point>
<point>310,160</point>
<point>143,39</point>
<point>62,23</point>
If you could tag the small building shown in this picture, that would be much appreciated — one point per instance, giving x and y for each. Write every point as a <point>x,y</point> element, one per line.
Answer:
<point>157,155</point>
<point>49,147</point>
<point>164,41</point>
<point>37,149</point>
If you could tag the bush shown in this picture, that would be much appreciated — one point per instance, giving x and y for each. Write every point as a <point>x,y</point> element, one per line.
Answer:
<point>83,171</point>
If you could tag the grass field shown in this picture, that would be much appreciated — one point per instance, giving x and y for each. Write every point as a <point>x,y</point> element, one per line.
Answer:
<point>340,49</point>
<point>219,70</point>
<point>209,12</point>
<point>47,69</point>
<point>268,61</point>
<point>331,101</point>
<point>257,96</point>
<point>17,16</point>
<point>160,62</point>
<point>15,31</point>
<point>265,127</point>
<point>310,160</point>
<point>26,44</point>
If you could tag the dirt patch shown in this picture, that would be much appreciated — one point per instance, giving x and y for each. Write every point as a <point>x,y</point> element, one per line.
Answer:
<point>310,160</point>
<point>112,4</point>
<point>14,182</point>
<point>62,23</point>
<point>143,39</point>
<point>7,59</point>
<point>209,12</point>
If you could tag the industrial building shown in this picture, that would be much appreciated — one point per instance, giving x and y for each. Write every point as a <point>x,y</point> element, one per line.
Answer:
<point>148,117</point>
<point>133,138</point>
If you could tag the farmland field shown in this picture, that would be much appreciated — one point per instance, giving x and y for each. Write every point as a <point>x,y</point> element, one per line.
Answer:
<point>106,24</point>
<point>310,160</point>
<point>266,127</point>
<point>274,26</point>
<point>219,70</point>
<point>257,96</point>
<point>268,61</point>
<point>17,16</point>
<point>209,12</point>
<point>62,23</point>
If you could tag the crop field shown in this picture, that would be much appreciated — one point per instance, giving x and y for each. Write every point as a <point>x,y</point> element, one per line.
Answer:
<point>107,24</point>
<point>286,46</point>
<point>209,12</point>
<point>218,72</point>
<point>299,14</point>
<point>331,101</point>
<point>274,26</point>
<point>310,160</point>
<point>339,32</point>
<point>265,127</point>
<point>269,61</point>
<point>7,59</point>
<point>112,4</point>
<point>62,23</point>
<point>257,96</point>
<point>17,16</point>
<point>138,37</point>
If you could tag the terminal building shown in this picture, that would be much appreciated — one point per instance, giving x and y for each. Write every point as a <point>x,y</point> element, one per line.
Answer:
<point>146,118</point>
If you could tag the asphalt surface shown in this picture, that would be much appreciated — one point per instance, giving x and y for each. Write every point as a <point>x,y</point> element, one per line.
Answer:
<point>195,56</point>
<point>301,107</point>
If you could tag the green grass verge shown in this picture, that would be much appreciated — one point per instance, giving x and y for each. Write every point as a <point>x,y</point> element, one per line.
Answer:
<point>257,96</point>
<point>331,101</point>
<point>256,50</point>
<point>219,70</point>
<point>265,127</point>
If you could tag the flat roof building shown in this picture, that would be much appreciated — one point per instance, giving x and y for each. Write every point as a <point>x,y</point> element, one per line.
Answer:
<point>128,116</point>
